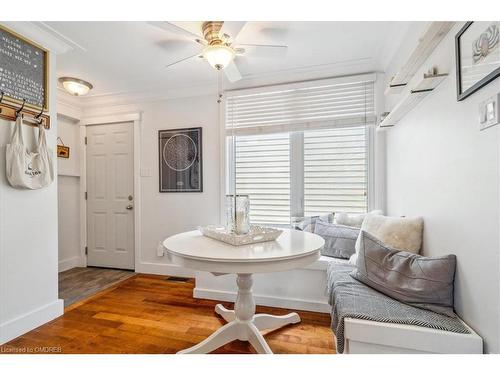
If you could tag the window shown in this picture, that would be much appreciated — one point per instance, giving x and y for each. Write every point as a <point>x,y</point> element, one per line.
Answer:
<point>335,171</point>
<point>263,172</point>
<point>301,149</point>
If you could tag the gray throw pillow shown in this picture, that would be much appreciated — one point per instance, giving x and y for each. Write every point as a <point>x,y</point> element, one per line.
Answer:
<point>340,240</point>
<point>307,223</point>
<point>424,282</point>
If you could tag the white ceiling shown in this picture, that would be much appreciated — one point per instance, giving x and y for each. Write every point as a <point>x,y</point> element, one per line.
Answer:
<point>125,57</point>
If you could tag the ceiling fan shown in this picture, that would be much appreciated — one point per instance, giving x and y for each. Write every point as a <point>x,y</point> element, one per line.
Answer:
<point>219,46</point>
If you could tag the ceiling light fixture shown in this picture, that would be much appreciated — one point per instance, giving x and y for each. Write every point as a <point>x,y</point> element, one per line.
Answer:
<point>218,56</point>
<point>75,86</point>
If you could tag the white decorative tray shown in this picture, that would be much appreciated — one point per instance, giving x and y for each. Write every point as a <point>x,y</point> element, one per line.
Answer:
<point>255,235</point>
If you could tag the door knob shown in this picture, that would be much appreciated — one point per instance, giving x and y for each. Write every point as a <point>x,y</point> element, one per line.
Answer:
<point>129,207</point>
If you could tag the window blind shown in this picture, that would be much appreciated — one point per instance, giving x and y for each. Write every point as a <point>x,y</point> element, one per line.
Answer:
<point>327,159</point>
<point>307,105</point>
<point>263,173</point>
<point>335,171</point>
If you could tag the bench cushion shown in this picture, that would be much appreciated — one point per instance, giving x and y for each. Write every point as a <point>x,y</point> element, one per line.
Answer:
<point>351,299</point>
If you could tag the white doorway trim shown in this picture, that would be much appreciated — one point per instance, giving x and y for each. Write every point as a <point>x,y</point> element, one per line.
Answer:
<point>134,118</point>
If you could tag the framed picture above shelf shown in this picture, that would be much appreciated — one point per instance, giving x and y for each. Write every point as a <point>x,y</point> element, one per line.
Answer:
<point>477,49</point>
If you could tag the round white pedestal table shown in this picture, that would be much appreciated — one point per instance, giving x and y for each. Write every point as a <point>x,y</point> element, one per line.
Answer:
<point>291,250</point>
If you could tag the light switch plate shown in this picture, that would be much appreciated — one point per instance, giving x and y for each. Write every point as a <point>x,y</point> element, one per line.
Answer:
<point>160,250</point>
<point>489,112</point>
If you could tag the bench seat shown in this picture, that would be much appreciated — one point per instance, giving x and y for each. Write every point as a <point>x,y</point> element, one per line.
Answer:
<point>367,321</point>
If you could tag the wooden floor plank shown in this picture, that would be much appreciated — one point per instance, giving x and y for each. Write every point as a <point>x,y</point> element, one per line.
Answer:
<point>80,282</point>
<point>150,314</point>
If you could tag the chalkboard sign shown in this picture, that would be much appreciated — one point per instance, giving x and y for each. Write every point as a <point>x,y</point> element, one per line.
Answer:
<point>23,70</point>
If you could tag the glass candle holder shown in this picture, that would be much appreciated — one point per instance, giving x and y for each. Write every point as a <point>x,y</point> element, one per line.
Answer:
<point>238,214</point>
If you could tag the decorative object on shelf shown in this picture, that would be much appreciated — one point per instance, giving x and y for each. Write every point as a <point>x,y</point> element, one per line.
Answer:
<point>255,234</point>
<point>76,86</point>
<point>24,71</point>
<point>62,150</point>
<point>477,48</point>
<point>431,80</point>
<point>427,43</point>
<point>238,213</point>
<point>489,112</point>
<point>180,160</point>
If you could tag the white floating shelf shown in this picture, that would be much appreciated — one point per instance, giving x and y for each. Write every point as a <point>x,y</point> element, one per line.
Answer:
<point>410,101</point>
<point>427,43</point>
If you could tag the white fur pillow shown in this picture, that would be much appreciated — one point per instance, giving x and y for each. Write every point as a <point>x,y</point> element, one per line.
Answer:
<point>397,232</point>
<point>342,218</point>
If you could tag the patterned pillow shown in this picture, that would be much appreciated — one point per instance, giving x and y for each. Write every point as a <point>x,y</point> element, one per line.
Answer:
<point>307,223</point>
<point>340,240</point>
<point>424,282</point>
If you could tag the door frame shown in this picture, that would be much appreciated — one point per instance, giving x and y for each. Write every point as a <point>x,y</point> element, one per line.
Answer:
<point>135,119</point>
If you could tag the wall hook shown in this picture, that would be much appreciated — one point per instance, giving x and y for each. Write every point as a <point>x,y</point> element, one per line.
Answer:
<point>37,117</point>
<point>20,109</point>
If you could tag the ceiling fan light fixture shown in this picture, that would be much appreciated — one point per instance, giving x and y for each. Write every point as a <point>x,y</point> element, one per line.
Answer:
<point>218,56</point>
<point>75,86</point>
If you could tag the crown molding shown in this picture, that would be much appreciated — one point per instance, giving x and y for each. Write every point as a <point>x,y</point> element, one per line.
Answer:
<point>58,35</point>
<point>343,68</point>
<point>39,35</point>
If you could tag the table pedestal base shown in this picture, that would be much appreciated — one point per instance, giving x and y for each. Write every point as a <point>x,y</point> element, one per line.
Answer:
<point>243,323</point>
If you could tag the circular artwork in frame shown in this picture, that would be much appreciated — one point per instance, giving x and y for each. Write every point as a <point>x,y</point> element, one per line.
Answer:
<point>180,152</point>
<point>180,160</point>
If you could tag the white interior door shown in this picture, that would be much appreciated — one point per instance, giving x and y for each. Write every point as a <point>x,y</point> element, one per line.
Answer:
<point>110,195</point>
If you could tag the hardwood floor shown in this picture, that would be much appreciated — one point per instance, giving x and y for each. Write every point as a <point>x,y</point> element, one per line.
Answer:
<point>81,282</point>
<point>151,314</point>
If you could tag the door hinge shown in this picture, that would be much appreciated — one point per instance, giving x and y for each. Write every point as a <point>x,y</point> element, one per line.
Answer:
<point>85,140</point>
<point>86,250</point>
<point>86,196</point>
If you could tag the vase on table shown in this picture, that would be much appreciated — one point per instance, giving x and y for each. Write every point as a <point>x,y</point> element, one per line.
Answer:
<point>238,214</point>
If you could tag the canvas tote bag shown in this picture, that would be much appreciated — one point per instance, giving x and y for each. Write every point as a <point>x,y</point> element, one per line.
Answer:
<point>26,169</point>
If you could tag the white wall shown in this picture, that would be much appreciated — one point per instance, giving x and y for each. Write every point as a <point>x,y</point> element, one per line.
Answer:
<point>441,167</point>
<point>68,194</point>
<point>69,132</point>
<point>164,214</point>
<point>28,244</point>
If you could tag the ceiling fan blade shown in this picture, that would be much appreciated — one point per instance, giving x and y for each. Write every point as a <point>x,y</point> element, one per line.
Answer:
<point>232,72</point>
<point>178,47</point>
<point>181,60</point>
<point>170,27</point>
<point>265,50</point>
<point>231,28</point>
<point>239,51</point>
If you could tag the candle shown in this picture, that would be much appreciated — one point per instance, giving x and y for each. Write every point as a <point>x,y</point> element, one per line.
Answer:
<point>242,226</point>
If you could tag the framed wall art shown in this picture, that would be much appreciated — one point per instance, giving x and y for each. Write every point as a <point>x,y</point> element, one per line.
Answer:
<point>24,71</point>
<point>477,49</point>
<point>180,155</point>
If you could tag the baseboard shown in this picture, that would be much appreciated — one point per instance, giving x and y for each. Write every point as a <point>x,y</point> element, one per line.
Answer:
<point>164,269</point>
<point>70,263</point>
<point>31,320</point>
<point>286,303</point>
